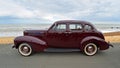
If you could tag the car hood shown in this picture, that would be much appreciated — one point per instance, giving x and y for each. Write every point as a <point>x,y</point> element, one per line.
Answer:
<point>34,32</point>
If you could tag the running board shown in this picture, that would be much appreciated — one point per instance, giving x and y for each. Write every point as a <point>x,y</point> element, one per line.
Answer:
<point>60,50</point>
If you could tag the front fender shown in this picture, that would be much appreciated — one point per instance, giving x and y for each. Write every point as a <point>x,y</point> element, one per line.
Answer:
<point>101,43</point>
<point>36,44</point>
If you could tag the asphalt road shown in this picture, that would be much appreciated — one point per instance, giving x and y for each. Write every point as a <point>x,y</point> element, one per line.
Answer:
<point>10,58</point>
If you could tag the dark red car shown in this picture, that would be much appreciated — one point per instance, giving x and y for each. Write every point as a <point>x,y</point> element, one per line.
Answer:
<point>65,35</point>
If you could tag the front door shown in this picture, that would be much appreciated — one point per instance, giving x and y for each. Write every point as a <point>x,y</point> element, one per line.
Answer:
<point>57,36</point>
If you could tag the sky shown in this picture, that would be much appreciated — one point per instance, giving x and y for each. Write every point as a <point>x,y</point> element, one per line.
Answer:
<point>48,11</point>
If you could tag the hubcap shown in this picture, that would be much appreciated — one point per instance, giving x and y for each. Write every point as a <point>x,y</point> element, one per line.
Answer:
<point>90,49</point>
<point>25,49</point>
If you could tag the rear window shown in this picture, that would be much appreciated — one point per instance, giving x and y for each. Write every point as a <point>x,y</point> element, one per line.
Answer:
<point>87,28</point>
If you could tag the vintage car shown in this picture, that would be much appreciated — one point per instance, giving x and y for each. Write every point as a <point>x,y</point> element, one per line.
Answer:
<point>64,35</point>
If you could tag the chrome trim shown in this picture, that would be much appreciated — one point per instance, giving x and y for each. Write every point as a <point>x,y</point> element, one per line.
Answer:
<point>111,45</point>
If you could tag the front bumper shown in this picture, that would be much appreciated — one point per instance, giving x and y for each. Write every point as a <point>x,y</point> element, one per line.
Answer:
<point>110,44</point>
<point>13,46</point>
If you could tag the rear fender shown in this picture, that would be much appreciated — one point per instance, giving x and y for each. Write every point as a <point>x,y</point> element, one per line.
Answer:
<point>101,43</point>
<point>35,43</point>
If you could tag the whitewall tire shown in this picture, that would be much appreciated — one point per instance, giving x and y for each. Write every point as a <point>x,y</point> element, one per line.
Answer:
<point>90,49</point>
<point>25,49</point>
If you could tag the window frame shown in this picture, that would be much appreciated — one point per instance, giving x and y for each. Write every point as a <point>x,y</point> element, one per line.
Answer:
<point>76,30</point>
<point>57,30</point>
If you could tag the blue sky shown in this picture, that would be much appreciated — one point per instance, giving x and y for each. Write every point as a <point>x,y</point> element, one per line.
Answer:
<point>48,11</point>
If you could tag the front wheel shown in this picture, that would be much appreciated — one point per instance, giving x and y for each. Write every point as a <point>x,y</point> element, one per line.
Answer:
<point>25,49</point>
<point>90,49</point>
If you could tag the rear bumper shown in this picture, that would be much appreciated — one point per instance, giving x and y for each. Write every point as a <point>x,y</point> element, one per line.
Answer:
<point>105,45</point>
<point>13,46</point>
<point>110,44</point>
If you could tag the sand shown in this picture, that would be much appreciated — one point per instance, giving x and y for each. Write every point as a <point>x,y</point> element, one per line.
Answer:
<point>6,40</point>
<point>113,37</point>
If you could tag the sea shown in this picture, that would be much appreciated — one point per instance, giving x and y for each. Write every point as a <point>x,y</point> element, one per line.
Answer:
<point>14,30</point>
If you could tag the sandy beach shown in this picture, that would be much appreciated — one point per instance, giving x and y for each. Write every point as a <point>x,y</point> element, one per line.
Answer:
<point>113,37</point>
<point>6,40</point>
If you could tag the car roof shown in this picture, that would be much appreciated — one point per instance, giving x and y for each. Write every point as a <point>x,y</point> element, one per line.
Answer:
<point>73,21</point>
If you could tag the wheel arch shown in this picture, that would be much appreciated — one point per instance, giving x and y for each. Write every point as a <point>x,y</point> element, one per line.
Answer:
<point>35,43</point>
<point>91,39</point>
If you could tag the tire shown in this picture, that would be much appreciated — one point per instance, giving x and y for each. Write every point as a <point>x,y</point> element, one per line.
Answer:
<point>25,49</point>
<point>90,49</point>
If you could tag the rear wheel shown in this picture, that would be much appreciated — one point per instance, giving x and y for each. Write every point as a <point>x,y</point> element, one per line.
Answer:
<point>90,49</point>
<point>25,49</point>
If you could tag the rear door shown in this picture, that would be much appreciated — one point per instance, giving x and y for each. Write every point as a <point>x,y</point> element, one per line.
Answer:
<point>75,35</point>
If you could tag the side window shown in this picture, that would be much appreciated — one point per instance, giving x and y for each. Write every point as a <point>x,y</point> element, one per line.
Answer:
<point>87,28</point>
<point>75,27</point>
<point>60,27</point>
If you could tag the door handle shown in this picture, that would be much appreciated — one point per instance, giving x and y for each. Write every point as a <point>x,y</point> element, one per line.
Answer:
<point>67,32</point>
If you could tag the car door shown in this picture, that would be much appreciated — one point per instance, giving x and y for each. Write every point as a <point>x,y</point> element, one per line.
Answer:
<point>76,34</point>
<point>56,36</point>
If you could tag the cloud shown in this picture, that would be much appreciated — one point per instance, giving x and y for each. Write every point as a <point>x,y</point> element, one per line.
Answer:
<point>95,10</point>
<point>10,8</point>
